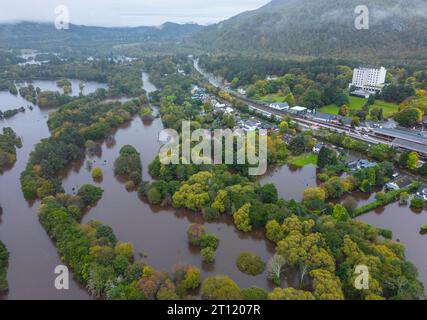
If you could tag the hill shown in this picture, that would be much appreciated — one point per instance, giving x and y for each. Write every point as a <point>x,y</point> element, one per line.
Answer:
<point>324,28</point>
<point>43,36</point>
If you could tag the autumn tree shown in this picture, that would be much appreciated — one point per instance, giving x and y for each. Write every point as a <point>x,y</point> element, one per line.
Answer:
<point>242,218</point>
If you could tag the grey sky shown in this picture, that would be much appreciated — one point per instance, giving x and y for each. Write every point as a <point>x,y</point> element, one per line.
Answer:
<point>127,12</point>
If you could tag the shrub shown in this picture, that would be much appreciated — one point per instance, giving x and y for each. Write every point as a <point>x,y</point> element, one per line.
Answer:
<point>209,241</point>
<point>97,173</point>
<point>154,196</point>
<point>195,233</point>
<point>208,255</point>
<point>210,214</point>
<point>250,263</point>
<point>417,203</point>
<point>130,186</point>
<point>192,278</point>
<point>90,194</point>
<point>404,196</point>
<point>220,288</point>
<point>323,177</point>
<point>254,293</point>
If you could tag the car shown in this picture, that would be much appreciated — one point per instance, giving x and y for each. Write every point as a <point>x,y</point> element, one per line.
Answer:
<point>394,176</point>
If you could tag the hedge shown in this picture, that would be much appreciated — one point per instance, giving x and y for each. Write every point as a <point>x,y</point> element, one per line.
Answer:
<point>389,197</point>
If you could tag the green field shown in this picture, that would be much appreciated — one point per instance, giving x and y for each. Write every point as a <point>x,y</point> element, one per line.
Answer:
<point>272,98</point>
<point>304,160</point>
<point>357,103</point>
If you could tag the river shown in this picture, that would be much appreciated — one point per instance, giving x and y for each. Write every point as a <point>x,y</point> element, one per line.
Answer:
<point>33,256</point>
<point>157,234</point>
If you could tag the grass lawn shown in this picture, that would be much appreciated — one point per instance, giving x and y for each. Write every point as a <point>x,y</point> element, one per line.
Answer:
<point>357,103</point>
<point>272,98</point>
<point>304,160</point>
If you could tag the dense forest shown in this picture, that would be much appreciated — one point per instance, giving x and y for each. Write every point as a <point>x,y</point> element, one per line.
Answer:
<point>88,40</point>
<point>324,28</point>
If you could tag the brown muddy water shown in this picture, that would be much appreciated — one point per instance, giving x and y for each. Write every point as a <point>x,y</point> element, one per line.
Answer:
<point>405,224</point>
<point>157,234</point>
<point>33,256</point>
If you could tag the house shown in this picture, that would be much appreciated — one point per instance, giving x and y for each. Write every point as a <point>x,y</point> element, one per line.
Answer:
<point>218,104</point>
<point>365,164</point>
<point>271,78</point>
<point>267,126</point>
<point>241,91</point>
<point>229,110</point>
<point>391,186</point>
<point>317,148</point>
<point>422,193</point>
<point>281,106</point>
<point>361,164</point>
<point>250,125</point>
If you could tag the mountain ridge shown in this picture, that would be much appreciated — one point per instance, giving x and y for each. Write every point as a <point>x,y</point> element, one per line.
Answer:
<point>323,28</point>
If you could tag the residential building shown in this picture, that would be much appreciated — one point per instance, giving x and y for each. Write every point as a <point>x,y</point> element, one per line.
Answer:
<point>281,106</point>
<point>317,148</point>
<point>361,164</point>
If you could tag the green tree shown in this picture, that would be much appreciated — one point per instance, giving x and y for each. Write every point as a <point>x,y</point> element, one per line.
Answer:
<point>307,251</point>
<point>208,255</point>
<point>413,160</point>
<point>290,294</point>
<point>220,288</point>
<point>242,218</point>
<point>340,213</point>
<point>97,173</point>
<point>326,157</point>
<point>326,285</point>
<point>409,117</point>
<point>90,194</point>
<point>268,193</point>
<point>250,263</point>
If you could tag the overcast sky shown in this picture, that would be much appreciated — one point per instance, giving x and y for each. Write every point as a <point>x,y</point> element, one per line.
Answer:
<point>127,12</point>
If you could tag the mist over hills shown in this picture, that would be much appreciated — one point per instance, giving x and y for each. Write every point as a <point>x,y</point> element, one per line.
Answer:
<point>305,28</point>
<point>397,29</point>
<point>44,36</point>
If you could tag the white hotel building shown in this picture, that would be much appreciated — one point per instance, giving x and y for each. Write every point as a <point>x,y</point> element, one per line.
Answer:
<point>368,80</point>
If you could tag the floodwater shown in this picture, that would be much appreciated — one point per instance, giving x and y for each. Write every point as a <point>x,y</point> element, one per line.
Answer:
<point>401,220</point>
<point>291,182</point>
<point>159,235</point>
<point>50,85</point>
<point>33,256</point>
<point>406,225</point>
